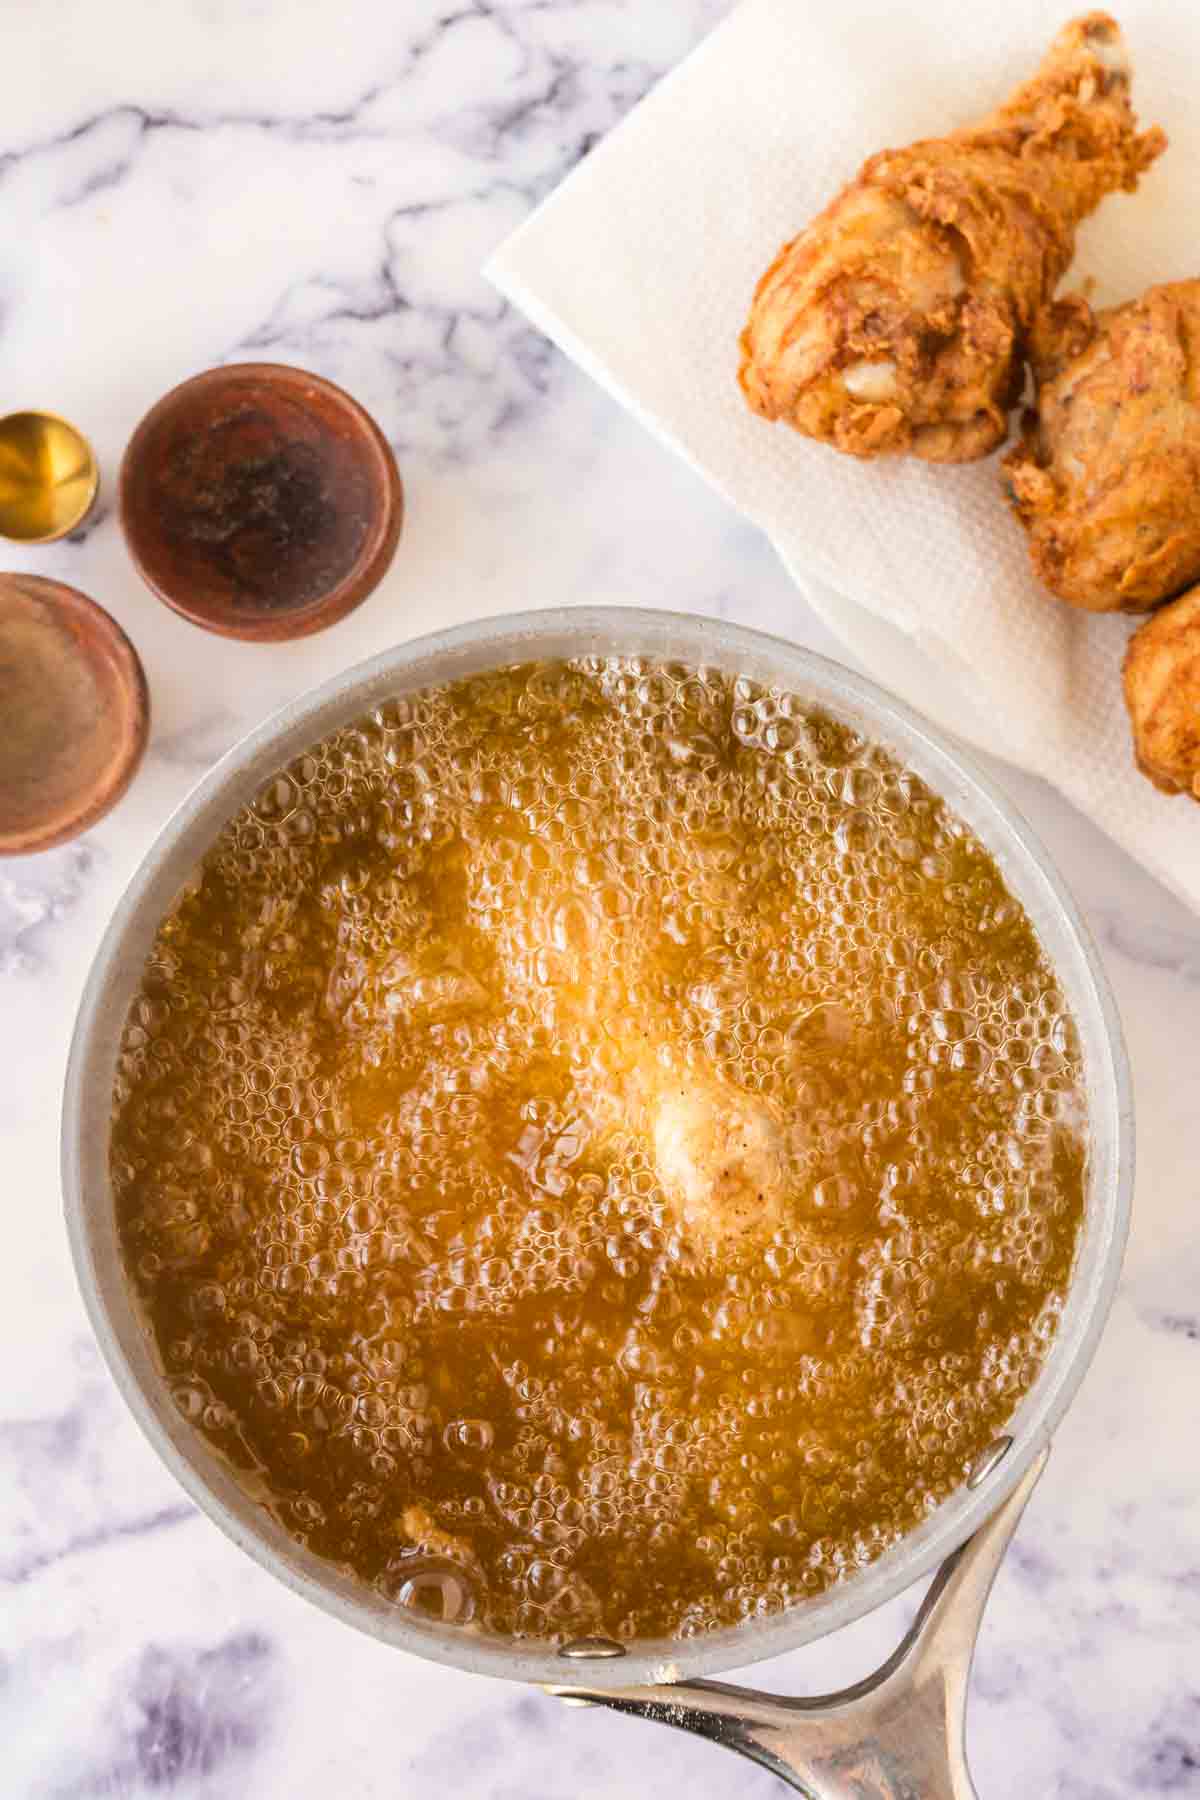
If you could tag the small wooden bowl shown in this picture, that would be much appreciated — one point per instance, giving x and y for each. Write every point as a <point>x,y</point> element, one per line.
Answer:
<point>260,501</point>
<point>74,709</point>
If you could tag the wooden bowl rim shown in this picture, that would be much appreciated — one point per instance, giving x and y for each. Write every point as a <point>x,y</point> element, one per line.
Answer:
<point>132,728</point>
<point>373,560</point>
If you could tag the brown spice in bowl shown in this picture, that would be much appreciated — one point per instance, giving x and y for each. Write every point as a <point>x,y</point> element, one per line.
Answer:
<point>260,501</point>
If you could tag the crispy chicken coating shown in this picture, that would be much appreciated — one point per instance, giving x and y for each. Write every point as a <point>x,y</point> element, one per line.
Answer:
<point>419,1526</point>
<point>899,319</point>
<point>1162,693</point>
<point>730,1170</point>
<point>721,1158</point>
<point>1106,479</point>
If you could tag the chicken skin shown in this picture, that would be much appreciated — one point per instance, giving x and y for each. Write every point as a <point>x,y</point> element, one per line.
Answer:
<point>899,319</point>
<point>1162,693</point>
<point>730,1170</point>
<point>721,1158</point>
<point>1106,479</point>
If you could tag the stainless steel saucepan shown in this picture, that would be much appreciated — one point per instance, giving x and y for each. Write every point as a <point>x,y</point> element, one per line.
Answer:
<point>898,1736</point>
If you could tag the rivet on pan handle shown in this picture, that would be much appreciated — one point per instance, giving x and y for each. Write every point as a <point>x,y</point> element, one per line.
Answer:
<point>898,1735</point>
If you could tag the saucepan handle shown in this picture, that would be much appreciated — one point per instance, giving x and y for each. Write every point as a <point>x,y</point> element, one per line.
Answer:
<point>898,1735</point>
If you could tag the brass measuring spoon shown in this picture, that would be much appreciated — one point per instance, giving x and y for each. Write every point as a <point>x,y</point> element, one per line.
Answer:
<point>48,477</point>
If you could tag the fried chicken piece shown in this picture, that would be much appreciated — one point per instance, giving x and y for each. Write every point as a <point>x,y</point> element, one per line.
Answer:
<point>730,1169</point>
<point>418,1525</point>
<point>898,320</point>
<point>1162,693</point>
<point>721,1159</point>
<point>1106,479</point>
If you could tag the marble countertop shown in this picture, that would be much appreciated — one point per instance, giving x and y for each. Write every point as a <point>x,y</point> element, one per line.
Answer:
<point>320,184</point>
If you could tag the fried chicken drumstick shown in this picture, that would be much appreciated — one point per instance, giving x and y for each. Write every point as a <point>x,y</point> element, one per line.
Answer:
<point>899,319</point>
<point>1162,694</point>
<point>1106,479</point>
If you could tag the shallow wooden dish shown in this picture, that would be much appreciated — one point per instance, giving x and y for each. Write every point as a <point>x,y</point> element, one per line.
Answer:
<point>260,501</point>
<point>75,712</point>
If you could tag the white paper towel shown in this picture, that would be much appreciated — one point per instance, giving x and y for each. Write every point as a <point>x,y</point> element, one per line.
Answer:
<point>641,266</point>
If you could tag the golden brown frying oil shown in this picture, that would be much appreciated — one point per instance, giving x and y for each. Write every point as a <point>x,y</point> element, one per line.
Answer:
<point>600,1147</point>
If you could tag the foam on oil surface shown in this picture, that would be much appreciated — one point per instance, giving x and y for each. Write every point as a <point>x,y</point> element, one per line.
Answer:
<point>600,1149</point>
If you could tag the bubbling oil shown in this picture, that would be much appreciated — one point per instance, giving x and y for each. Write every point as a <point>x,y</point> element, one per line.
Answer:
<point>600,1150</point>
